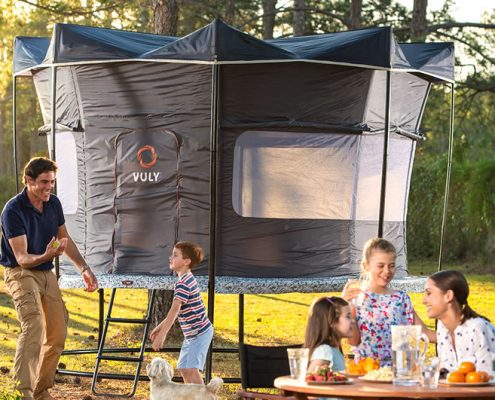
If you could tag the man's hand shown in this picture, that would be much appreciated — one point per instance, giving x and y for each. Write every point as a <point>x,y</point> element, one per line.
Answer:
<point>158,336</point>
<point>90,280</point>
<point>55,248</point>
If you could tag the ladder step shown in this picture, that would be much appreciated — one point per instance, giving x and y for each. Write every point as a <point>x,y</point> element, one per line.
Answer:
<point>119,358</point>
<point>129,320</point>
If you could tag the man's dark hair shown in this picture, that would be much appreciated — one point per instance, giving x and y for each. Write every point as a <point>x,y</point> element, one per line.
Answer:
<point>37,165</point>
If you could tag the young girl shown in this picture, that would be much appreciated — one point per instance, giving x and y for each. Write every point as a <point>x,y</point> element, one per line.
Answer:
<point>330,320</point>
<point>462,333</point>
<point>380,306</point>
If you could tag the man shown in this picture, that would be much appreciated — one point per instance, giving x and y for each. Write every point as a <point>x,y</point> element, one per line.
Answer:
<point>33,234</point>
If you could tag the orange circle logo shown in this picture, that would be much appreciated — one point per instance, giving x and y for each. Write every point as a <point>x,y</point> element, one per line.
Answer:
<point>154,157</point>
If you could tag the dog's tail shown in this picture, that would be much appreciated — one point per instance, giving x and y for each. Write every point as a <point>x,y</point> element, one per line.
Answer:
<point>214,385</point>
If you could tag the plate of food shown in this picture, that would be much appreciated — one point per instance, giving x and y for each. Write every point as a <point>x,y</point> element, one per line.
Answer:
<point>380,375</point>
<point>325,376</point>
<point>344,382</point>
<point>351,375</point>
<point>445,382</point>
<point>467,375</point>
<point>362,367</point>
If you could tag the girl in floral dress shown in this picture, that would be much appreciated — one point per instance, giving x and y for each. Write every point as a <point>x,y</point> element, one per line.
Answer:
<point>379,306</point>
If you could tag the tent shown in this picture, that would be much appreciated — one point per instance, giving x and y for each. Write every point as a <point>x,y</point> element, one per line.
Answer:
<point>279,157</point>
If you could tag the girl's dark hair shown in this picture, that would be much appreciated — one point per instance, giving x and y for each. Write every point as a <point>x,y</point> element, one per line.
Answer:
<point>455,281</point>
<point>323,316</point>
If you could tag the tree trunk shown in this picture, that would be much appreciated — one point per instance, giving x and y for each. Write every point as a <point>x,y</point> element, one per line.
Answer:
<point>418,23</point>
<point>298,17</point>
<point>356,8</point>
<point>165,18</point>
<point>230,12</point>
<point>268,18</point>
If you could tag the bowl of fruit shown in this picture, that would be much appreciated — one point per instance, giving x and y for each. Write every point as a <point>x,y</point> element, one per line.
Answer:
<point>361,367</point>
<point>325,376</point>
<point>467,375</point>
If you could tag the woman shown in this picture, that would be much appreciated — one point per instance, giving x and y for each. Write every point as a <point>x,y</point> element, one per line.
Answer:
<point>462,334</point>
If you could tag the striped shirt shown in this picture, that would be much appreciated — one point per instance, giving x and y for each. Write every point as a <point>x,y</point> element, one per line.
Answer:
<point>192,313</point>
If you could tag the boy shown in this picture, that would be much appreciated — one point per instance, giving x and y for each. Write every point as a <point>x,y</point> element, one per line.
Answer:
<point>189,307</point>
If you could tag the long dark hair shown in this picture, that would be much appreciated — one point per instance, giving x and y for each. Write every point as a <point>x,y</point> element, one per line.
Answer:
<point>455,281</point>
<point>323,316</point>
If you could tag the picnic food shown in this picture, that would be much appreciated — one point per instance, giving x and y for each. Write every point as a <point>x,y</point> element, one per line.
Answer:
<point>383,374</point>
<point>456,377</point>
<point>325,374</point>
<point>484,376</point>
<point>363,366</point>
<point>473,377</point>
<point>466,367</point>
<point>467,374</point>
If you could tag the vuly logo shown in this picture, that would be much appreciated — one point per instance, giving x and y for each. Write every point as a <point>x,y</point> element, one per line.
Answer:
<point>150,152</point>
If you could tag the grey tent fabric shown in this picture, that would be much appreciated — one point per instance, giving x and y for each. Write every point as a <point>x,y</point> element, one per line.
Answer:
<point>295,128</point>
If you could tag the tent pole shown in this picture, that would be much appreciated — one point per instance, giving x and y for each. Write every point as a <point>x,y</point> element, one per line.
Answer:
<point>447,177</point>
<point>52,139</point>
<point>213,207</point>
<point>386,135</point>
<point>241,318</point>
<point>14,133</point>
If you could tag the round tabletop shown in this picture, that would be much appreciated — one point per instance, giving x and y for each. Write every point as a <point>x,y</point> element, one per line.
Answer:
<point>359,389</point>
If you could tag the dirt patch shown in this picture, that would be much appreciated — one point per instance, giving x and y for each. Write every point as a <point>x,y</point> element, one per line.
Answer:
<point>80,389</point>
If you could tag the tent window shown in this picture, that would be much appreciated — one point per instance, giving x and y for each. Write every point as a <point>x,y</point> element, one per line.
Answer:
<point>67,180</point>
<point>294,175</point>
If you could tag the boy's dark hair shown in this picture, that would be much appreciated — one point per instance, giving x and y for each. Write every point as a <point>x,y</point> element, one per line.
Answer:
<point>38,165</point>
<point>192,251</point>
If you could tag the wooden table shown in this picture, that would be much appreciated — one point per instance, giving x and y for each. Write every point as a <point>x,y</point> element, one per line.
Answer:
<point>366,390</point>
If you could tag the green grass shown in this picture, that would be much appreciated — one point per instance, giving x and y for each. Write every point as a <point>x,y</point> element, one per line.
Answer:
<point>269,320</point>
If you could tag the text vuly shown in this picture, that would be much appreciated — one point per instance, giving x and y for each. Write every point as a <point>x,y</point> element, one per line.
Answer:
<point>146,176</point>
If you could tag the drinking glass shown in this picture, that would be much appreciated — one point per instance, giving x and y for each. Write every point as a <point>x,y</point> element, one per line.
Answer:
<point>298,363</point>
<point>430,372</point>
<point>359,283</point>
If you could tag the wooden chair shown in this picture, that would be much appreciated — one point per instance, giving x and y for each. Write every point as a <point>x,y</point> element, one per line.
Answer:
<point>260,365</point>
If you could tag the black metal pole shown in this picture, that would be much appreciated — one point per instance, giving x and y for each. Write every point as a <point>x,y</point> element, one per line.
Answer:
<point>101,311</point>
<point>447,177</point>
<point>241,318</point>
<point>14,133</point>
<point>213,206</point>
<point>386,135</point>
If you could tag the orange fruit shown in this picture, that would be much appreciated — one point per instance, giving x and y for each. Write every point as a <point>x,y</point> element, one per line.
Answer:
<point>484,376</point>
<point>473,377</point>
<point>466,367</point>
<point>370,364</point>
<point>353,368</point>
<point>456,377</point>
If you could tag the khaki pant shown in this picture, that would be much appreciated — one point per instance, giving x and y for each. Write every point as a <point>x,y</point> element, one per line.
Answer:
<point>43,317</point>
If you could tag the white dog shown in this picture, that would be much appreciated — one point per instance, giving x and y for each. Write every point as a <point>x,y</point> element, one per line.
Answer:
<point>161,373</point>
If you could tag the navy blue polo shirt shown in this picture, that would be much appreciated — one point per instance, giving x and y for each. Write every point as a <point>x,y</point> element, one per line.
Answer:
<point>20,217</point>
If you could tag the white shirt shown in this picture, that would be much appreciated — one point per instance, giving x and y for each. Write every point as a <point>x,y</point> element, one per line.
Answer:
<point>474,340</point>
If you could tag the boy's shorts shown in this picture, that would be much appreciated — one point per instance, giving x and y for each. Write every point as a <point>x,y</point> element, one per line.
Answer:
<point>193,351</point>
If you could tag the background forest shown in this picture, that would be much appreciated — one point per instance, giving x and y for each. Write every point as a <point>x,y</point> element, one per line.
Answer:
<point>471,226</point>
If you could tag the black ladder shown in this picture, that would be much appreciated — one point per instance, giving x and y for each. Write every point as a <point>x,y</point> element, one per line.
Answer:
<point>103,353</point>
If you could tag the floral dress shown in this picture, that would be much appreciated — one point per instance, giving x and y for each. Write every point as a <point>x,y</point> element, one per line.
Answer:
<point>375,316</point>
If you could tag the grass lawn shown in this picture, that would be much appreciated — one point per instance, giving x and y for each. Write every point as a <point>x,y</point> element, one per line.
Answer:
<point>269,320</point>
